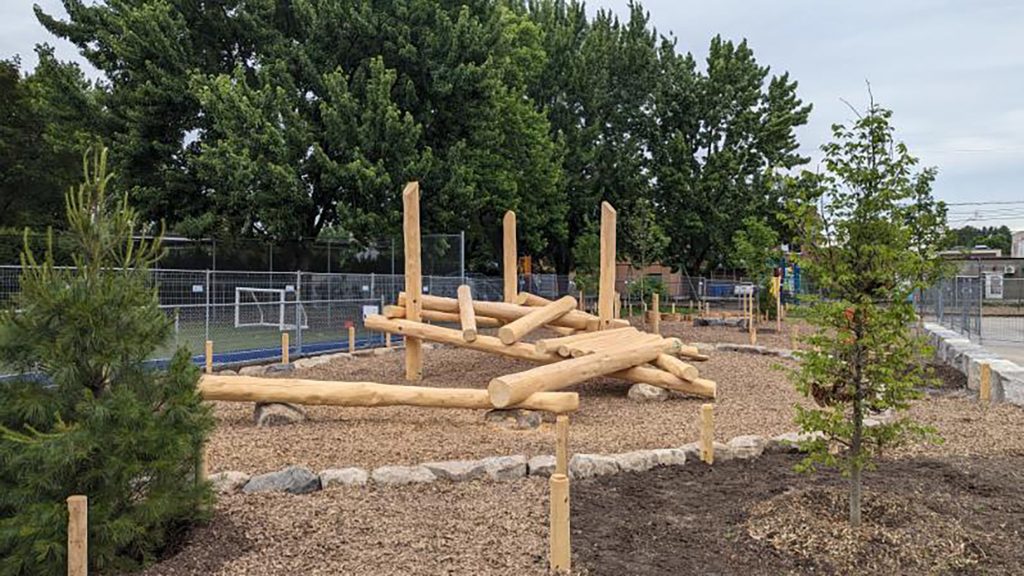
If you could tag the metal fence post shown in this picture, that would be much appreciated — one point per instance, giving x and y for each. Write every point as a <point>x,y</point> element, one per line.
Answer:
<point>206,288</point>
<point>298,311</point>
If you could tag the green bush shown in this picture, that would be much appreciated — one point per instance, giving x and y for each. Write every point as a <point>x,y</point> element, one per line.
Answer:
<point>94,419</point>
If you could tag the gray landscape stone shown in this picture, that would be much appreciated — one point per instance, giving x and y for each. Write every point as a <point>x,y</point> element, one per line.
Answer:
<point>343,477</point>
<point>227,372</point>
<point>400,475</point>
<point>293,479</point>
<point>743,348</point>
<point>274,414</point>
<point>747,446</point>
<point>514,418</point>
<point>691,450</point>
<point>311,362</point>
<point>259,370</point>
<point>502,468</point>
<point>543,466</point>
<point>228,482</point>
<point>636,461</point>
<point>590,465</point>
<point>641,392</point>
<point>669,456</point>
<point>457,470</point>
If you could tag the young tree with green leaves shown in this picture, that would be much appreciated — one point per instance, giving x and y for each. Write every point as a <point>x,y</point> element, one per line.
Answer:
<point>859,222</point>
<point>644,241</point>
<point>88,416</point>
<point>756,249</point>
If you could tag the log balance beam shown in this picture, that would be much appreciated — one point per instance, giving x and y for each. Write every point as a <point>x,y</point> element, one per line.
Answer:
<point>366,394</point>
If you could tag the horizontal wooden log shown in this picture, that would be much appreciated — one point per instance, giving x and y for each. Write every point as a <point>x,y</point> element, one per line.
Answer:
<point>368,394</point>
<point>553,344</point>
<point>446,317</point>
<point>507,311</point>
<point>525,351</point>
<point>613,342</point>
<point>511,389</point>
<point>515,331</point>
<point>444,335</point>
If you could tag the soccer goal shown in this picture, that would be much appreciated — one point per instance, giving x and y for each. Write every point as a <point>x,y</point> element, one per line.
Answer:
<point>267,307</point>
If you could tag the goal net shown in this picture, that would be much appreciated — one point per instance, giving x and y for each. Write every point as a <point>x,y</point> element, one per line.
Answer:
<point>267,307</point>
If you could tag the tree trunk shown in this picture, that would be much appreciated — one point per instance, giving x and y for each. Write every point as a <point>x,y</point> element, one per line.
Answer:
<point>858,425</point>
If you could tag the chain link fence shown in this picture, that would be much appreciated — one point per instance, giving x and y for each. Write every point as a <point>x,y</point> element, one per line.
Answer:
<point>986,308</point>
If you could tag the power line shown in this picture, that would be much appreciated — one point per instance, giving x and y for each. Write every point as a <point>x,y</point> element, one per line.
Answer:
<point>986,203</point>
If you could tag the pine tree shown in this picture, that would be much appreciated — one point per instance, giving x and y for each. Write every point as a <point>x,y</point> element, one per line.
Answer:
<point>88,416</point>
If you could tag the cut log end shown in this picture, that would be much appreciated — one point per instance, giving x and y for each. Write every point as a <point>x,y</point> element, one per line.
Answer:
<point>506,335</point>
<point>469,335</point>
<point>500,393</point>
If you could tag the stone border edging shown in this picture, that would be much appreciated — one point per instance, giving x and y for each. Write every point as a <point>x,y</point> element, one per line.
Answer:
<point>953,349</point>
<point>301,480</point>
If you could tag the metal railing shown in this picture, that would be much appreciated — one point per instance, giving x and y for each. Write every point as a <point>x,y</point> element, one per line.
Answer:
<point>986,308</point>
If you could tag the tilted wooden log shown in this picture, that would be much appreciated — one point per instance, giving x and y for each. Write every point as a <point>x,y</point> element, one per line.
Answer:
<point>677,367</point>
<point>515,331</point>
<point>467,317</point>
<point>506,311</point>
<point>332,393</point>
<point>524,351</point>
<point>554,344</point>
<point>511,389</point>
<point>447,317</point>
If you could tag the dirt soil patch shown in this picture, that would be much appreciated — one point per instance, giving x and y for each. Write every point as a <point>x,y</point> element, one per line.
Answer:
<point>923,515</point>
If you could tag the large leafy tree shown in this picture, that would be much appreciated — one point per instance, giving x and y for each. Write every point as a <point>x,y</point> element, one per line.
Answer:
<point>861,221</point>
<point>720,138</point>
<point>49,118</point>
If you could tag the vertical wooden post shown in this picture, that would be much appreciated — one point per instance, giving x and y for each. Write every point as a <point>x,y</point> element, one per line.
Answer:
<point>413,278</point>
<point>618,305</point>
<point>284,348</point>
<point>673,308</point>
<point>778,305</point>
<point>78,536</point>
<point>351,339</point>
<point>583,298</point>
<point>510,263</point>
<point>387,339</point>
<point>209,356</point>
<point>656,313</point>
<point>560,556</point>
<point>606,289</point>
<point>562,444</point>
<point>707,433</point>
<point>985,387</point>
<point>752,321</point>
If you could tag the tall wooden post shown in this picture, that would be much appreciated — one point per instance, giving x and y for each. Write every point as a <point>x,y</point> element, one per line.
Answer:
<point>562,444</point>
<point>560,556</point>
<point>284,348</point>
<point>606,292</point>
<point>413,278</point>
<point>778,305</point>
<point>618,305</point>
<point>707,433</point>
<point>509,267</point>
<point>656,313</point>
<point>752,320</point>
<point>387,339</point>
<point>351,339</point>
<point>78,536</point>
<point>985,386</point>
<point>209,356</point>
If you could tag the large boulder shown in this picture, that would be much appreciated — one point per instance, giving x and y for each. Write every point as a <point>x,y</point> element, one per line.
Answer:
<point>311,362</point>
<point>275,414</point>
<point>636,461</point>
<point>343,477</point>
<point>293,479</point>
<point>401,475</point>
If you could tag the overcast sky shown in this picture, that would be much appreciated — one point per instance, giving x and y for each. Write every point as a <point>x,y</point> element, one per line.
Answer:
<point>951,70</point>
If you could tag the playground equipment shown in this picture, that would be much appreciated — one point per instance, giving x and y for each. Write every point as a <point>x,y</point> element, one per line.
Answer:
<point>590,346</point>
